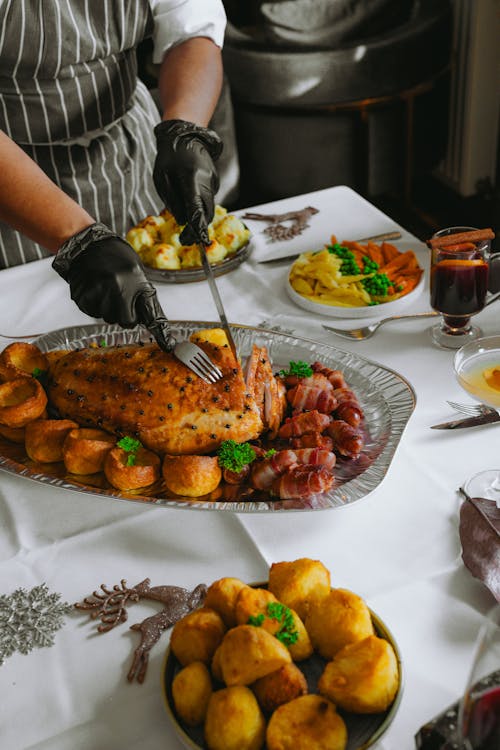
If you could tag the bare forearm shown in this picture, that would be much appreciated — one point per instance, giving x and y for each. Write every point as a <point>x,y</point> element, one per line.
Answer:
<point>190,81</point>
<point>32,203</point>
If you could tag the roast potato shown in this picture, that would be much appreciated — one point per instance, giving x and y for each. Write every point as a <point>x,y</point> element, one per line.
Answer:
<point>251,602</point>
<point>215,666</point>
<point>279,687</point>
<point>363,676</point>
<point>196,636</point>
<point>339,618</point>
<point>44,439</point>
<point>248,653</point>
<point>309,722</point>
<point>298,583</point>
<point>143,472</point>
<point>191,691</point>
<point>222,595</point>
<point>234,720</point>
<point>191,476</point>
<point>255,602</point>
<point>21,401</point>
<point>85,449</point>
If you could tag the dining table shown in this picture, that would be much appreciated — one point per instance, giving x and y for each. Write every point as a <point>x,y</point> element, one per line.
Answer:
<point>397,546</point>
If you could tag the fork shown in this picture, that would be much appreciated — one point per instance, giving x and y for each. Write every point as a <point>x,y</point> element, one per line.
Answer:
<point>366,332</point>
<point>153,319</point>
<point>472,410</point>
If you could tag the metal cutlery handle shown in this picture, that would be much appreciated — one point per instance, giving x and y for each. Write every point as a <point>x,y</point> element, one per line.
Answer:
<point>429,314</point>
<point>216,296</point>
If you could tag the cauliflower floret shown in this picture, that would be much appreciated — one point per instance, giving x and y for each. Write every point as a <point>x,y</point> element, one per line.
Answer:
<point>140,239</point>
<point>153,225</point>
<point>190,256</point>
<point>162,256</point>
<point>216,252</point>
<point>232,233</point>
<point>219,214</point>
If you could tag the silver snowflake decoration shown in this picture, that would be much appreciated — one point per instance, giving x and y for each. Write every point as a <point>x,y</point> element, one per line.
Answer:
<point>29,619</point>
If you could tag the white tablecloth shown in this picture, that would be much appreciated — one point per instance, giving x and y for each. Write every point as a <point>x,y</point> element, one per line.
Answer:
<point>398,547</point>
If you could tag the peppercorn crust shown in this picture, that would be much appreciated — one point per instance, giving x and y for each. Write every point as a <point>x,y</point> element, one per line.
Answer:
<point>149,394</point>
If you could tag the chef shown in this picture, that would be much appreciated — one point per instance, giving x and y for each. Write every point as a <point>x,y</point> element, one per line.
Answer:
<point>84,153</point>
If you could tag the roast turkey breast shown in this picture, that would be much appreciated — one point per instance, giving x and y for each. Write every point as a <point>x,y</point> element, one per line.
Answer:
<point>140,391</point>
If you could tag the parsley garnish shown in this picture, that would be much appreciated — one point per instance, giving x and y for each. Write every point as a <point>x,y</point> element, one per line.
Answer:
<point>300,369</point>
<point>130,445</point>
<point>234,456</point>
<point>270,453</point>
<point>287,633</point>
<point>38,373</point>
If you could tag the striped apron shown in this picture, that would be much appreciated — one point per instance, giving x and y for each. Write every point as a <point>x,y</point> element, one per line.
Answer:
<point>70,97</point>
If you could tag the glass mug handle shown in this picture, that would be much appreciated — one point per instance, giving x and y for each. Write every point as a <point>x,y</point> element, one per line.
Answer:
<point>494,273</point>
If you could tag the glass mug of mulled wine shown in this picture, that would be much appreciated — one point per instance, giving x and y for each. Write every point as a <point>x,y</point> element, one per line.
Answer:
<point>460,258</point>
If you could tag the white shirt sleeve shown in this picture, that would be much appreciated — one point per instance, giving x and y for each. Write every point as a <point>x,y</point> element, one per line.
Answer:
<point>178,20</point>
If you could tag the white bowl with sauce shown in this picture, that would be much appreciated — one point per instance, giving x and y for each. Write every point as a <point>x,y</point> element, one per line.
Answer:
<point>477,369</point>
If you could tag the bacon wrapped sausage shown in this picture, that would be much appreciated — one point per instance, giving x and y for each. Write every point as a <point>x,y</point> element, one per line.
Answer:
<point>264,472</point>
<point>310,421</point>
<point>312,440</point>
<point>316,457</point>
<point>346,439</point>
<point>302,481</point>
<point>335,377</point>
<point>304,398</point>
<point>348,407</point>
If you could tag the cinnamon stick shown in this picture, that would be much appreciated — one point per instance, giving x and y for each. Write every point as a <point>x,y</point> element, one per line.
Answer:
<point>476,235</point>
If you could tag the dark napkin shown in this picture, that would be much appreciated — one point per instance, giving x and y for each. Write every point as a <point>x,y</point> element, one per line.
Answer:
<point>480,538</point>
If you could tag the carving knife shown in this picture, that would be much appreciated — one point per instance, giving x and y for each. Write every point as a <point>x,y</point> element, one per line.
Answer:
<point>458,424</point>
<point>216,296</point>
<point>374,238</point>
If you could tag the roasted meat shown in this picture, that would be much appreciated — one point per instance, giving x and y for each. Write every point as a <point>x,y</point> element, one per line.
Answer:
<point>139,390</point>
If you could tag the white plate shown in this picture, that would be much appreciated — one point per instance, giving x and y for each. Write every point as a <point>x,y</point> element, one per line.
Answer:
<point>383,310</point>
<point>387,400</point>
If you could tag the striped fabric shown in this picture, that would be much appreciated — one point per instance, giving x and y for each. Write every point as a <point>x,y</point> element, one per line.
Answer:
<point>70,97</point>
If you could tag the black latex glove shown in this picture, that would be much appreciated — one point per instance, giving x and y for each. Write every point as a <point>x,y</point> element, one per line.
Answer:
<point>107,281</point>
<point>185,175</point>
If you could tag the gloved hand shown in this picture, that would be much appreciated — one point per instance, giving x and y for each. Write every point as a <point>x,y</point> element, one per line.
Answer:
<point>107,281</point>
<point>185,175</point>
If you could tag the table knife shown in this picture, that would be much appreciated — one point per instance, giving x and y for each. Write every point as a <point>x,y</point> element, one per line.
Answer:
<point>216,297</point>
<point>458,424</point>
<point>374,238</point>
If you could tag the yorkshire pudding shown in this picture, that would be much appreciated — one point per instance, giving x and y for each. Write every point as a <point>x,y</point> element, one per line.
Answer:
<point>84,450</point>
<point>144,471</point>
<point>191,476</point>
<point>44,439</point>
<point>21,401</point>
<point>20,359</point>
